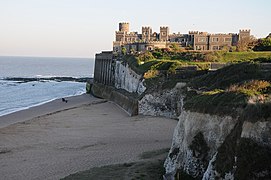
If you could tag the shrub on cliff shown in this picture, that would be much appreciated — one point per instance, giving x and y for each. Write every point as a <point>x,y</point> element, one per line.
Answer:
<point>227,76</point>
<point>145,56</point>
<point>251,88</point>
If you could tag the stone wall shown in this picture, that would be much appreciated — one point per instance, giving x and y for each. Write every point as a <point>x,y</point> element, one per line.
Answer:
<point>115,81</point>
<point>104,68</point>
<point>126,101</point>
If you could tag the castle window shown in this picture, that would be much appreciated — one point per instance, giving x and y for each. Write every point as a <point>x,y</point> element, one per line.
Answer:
<point>227,39</point>
<point>201,39</point>
<point>198,47</point>
<point>215,48</point>
<point>215,39</point>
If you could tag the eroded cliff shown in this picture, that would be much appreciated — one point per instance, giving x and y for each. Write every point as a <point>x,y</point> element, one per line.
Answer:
<point>224,133</point>
<point>167,103</point>
<point>127,79</point>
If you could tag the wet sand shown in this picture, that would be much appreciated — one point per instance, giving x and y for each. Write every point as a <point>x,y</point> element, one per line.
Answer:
<point>56,139</point>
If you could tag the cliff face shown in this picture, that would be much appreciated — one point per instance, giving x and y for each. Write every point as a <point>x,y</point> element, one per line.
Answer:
<point>208,146</point>
<point>127,79</point>
<point>196,140</point>
<point>214,147</point>
<point>166,103</point>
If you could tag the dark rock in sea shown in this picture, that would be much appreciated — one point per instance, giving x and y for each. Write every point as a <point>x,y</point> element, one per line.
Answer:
<point>58,79</point>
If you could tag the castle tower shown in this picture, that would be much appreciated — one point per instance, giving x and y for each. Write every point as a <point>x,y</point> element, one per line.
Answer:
<point>164,34</point>
<point>244,34</point>
<point>146,33</point>
<point>121,33</point>
<point>124,27</point>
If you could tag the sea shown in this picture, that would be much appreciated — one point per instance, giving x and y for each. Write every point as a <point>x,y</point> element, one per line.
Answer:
<point>31,81</point>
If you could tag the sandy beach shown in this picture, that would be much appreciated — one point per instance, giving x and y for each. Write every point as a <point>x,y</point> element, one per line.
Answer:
<point>56,139</point>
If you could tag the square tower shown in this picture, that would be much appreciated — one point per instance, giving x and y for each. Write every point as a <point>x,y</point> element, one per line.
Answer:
<point>244,34</point>
<point>124,27</point>
<point>164,34</point>
<point>146,33</point>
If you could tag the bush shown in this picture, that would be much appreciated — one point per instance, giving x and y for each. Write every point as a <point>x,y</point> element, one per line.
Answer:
<point>146,56</point>
<point>251,88</point>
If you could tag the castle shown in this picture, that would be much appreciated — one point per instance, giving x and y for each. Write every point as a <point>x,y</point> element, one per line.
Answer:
<point>195,40</point>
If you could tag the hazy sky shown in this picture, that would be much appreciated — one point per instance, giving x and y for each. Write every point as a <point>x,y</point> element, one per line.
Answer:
<point>81,28</point>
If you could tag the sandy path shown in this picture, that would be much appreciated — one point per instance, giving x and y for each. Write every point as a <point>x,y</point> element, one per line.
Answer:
<point>78,138</point>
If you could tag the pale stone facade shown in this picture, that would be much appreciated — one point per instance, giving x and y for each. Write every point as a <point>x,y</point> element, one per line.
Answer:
<point>149,40</point>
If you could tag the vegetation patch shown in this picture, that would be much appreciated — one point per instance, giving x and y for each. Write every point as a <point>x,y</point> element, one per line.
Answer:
<point>221,103</point>
<point>257,112</point>
<point>251,88</point>
<point>227,76</point>
<point>253,161</point>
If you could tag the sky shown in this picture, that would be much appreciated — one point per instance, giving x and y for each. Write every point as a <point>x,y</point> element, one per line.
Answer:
<point>81,28</point>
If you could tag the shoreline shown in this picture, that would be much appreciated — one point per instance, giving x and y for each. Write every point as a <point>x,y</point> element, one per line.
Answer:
<point>42,109</point>
<point>57,139</point>
<point>38,104</point>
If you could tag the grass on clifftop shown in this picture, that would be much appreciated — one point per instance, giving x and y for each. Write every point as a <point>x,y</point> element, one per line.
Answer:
<point>153,64</point>
<point>223,92</point>
<point>229,75</point>
<point>163,65</point>
<point>210,56</point>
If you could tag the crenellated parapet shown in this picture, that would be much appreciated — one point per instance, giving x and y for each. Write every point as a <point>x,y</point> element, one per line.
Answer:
<point>244,31</point>
<point>193,32</point>
<point>124,27</point>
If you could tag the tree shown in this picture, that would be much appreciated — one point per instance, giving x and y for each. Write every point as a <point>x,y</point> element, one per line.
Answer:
<point>132,51</point>
<point>264,45</point>
<point>266,42</point>
<point>175,47</point>
<point>246,43</point>
<point>123,50</point>
<point>146,56</point>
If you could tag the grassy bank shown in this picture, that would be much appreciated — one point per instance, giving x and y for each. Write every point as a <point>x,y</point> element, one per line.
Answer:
<point>226,91</point>
<point>171,62</point>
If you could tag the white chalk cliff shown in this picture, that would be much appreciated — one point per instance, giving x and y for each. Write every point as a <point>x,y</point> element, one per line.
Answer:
<point>127,79</point>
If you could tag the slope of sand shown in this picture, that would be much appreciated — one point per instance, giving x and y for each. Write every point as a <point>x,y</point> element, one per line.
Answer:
<point>57,139</point>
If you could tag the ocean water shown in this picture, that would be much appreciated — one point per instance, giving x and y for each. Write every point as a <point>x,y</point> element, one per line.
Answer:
<point>19,95</point>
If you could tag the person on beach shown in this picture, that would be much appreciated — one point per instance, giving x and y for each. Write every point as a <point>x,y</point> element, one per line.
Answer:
<point>64,100</point>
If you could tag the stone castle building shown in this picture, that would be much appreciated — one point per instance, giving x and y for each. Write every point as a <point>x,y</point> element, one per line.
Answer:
<point>149,40</point>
